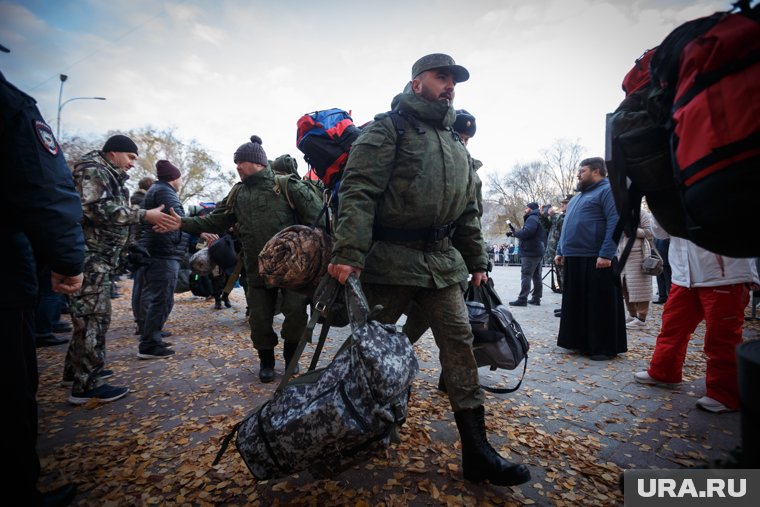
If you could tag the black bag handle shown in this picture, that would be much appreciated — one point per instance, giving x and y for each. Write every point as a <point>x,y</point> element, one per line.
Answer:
<point>507,390</point>
<point>484,293</point>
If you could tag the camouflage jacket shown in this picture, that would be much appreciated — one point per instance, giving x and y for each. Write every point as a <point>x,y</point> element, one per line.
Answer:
<point>107,212</point>
<point>553,238</point>
<point>477,164</point>
<point>259,213</point>
<point>428,181</point>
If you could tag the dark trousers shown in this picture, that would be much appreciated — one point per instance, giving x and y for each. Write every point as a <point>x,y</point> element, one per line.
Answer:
<point>48,306</point>
<point>18,374</point>
<point>137,283</point>
<point>530,270</point>
<point>157,299</point>
<point>663,279</point>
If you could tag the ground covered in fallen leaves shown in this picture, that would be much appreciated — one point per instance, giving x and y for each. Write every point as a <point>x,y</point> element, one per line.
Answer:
<point>575,423</point>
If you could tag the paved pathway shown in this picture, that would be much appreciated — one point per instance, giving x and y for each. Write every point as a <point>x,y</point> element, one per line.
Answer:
<point>575,422</point>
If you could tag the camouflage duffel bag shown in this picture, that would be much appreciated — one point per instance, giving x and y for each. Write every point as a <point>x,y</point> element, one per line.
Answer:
<point>328,419</point>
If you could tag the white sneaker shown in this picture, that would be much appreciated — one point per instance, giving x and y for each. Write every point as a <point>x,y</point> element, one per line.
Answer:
<point>636,324</point>
<point>643,377</point>
<point>711,405</point>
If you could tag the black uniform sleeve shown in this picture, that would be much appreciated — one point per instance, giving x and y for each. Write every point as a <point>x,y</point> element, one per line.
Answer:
<point>38,185</point>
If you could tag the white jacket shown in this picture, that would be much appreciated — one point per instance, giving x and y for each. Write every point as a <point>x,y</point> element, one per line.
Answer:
<point>693,266</point>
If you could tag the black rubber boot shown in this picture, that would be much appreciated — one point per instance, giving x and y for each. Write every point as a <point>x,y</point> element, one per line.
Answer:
<point>442,384</point>
<point>289,350</point>
<point>60,497</point>
<point>266,365</point>
<point>480,462</point>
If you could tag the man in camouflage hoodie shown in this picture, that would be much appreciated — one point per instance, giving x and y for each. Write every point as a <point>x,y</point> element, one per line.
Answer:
<point>259,211</point>
<point>408,224</point>
<point>99,178</point>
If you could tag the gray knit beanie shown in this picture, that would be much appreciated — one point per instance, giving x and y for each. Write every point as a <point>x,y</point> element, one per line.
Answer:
<point>251,152</point>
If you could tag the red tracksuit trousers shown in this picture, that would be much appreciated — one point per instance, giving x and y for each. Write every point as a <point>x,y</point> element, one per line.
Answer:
<point>722,308</point>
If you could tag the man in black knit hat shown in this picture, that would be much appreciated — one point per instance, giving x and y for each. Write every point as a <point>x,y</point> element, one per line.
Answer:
<point>100,180</point>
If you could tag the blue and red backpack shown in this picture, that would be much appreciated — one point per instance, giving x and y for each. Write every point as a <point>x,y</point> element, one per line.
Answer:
<point>325,137</point>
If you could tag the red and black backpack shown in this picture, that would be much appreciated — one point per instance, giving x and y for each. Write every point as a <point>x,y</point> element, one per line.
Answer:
<point>688,138</point>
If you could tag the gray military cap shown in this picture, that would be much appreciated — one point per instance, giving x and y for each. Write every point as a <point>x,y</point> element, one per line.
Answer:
<point>440,61</point>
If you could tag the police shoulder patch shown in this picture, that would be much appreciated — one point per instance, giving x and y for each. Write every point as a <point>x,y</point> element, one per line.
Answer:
<point>46,137</point>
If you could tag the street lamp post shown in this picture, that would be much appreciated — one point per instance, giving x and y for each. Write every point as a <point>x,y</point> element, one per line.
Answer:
<point>63,78</point>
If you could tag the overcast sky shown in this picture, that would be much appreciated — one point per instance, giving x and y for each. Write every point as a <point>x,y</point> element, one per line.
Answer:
<point>218,72</point>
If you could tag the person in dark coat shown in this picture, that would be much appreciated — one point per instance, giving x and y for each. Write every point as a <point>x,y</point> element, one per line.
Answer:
<point>136,199</point>
<point>532,245</point>
<point>138,196</point>
<point>40,227</point>
<point>159,277</point>
<point>592,319</point>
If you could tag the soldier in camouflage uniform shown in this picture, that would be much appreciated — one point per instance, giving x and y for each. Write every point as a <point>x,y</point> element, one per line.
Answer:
<point>553,239</point>
<point>416,321</point>
<point>99,178</point>
<point>408,224</point>
<point>259,212</point>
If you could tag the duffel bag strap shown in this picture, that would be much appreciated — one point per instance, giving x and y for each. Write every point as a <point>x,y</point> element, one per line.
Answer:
<point>507,390</point>
<point>305,338</point>
<point>324,297</point>
<point>321,343</point>
<point>233,277</point>
<point>226,442</point>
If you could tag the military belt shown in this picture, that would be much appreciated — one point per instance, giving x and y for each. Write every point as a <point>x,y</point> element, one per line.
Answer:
<point>428,239</point>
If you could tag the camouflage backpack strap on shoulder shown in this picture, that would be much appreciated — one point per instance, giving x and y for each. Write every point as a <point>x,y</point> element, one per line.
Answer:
<point>281,186</point>
<point>229,202</point>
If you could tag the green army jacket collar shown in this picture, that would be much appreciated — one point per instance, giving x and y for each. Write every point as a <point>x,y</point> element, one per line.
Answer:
<point>435,113</point>
<point>98,157</point>
<point>262,177</point>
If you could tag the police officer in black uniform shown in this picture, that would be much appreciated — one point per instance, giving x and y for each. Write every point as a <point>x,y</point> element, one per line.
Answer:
<point>40,226</point>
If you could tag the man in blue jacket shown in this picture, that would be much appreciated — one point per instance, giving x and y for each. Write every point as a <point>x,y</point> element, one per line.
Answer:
<point>159,277</point>
<point>532,246</point>
<point>593,318</point>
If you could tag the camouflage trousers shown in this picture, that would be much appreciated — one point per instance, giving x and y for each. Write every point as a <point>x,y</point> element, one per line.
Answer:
<point>447,315</point>
<point>417,321</point>
<point>90,315</point>
<point>262,302</point>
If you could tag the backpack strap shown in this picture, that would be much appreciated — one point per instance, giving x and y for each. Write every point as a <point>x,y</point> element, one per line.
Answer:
<point>281,187</point>
<point>232,196</point>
